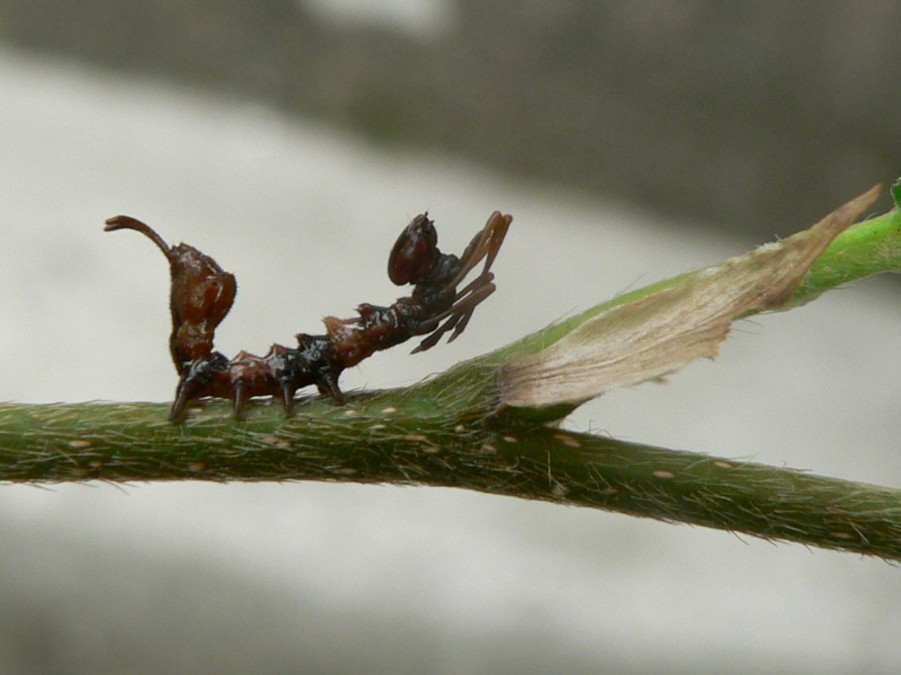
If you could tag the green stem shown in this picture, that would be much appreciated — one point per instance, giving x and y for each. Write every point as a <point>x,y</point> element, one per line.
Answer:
<point>381,438</point>
<point>864,249</point>
<point>449,431</point>
<point>870,247</point>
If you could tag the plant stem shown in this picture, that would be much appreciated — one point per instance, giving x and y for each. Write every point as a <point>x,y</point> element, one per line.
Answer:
<point>864,249</point>
<point>382,439</point>
<point>450,431</point>
<point>869,247</point>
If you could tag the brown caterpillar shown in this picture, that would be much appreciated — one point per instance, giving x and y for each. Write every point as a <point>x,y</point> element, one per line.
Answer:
<point>202,294</point>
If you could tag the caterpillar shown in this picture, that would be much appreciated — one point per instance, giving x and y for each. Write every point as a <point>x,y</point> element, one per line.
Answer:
<point>202,293</point>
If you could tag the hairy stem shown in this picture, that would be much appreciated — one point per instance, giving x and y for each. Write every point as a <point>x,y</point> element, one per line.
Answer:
<point>381,438</point>
<point>451,431</point>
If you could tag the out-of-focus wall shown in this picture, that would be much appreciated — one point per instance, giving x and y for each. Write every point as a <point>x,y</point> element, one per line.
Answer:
<point>727,113</point>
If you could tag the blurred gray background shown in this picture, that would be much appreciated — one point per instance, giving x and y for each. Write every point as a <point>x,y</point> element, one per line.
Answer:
<point>731,114</point>
<point>292,141</point>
